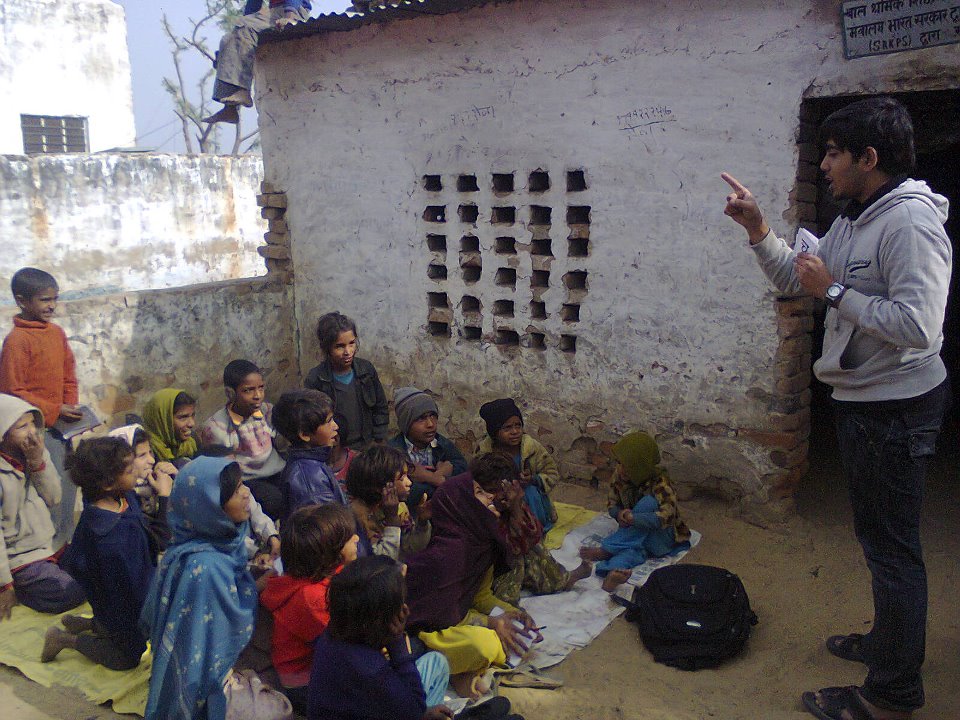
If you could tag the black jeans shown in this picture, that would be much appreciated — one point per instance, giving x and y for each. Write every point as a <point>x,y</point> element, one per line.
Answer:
<point>885,447</point>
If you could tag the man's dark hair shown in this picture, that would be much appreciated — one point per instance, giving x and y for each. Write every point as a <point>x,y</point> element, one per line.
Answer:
<point>881,123</point>
<point>330,326</point>
<point>28,282</point>
<point>301,412</point>
<point>372,470</point>
<point>491,469</point>
<point>365,597</point>
<point>312,538</point>
<point>236,371</point>
<point>96,466</point>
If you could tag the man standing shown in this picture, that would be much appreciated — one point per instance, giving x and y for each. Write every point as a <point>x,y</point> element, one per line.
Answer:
<point>883,269</point>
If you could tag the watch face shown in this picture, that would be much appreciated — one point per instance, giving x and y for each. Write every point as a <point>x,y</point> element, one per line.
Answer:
<point>833,292</point>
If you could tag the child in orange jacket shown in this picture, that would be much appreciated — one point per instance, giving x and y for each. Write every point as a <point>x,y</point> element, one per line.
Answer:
<point>37,365</point>
<point>316,541</point>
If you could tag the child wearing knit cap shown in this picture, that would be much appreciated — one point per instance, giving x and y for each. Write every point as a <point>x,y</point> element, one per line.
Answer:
<point>538,471</point>
<point>643,503</point>
<point>434,457</point>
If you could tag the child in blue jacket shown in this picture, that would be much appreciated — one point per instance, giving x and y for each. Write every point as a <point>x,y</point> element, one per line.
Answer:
<point>305,419</point>
<point>113,555</point>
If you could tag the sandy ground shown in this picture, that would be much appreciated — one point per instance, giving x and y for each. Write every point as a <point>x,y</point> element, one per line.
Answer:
<point>806,580</point>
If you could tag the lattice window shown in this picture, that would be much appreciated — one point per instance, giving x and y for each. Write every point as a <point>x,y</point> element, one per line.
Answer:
<point>507,257</point>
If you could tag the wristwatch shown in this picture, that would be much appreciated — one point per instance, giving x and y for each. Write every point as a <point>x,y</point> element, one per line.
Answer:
<point>835,294</point>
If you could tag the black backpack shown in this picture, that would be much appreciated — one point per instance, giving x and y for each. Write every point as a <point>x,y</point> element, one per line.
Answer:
<point>692,616</point>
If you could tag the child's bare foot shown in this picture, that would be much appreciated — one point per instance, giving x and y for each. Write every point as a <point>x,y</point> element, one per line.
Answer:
<point>615,578</point>
<point>594,554</point>
<point>77,624</point>
<point>54,641</point>
<point>582,571</point>
<point>468,685</point>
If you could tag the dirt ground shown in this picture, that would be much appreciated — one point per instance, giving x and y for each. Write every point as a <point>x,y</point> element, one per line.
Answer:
<point>806,580</point>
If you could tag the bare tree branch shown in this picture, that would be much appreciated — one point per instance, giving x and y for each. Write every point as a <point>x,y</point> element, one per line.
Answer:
<point>219,14</point>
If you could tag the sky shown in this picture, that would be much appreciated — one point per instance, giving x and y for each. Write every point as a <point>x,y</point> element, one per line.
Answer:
<point>158,128</point>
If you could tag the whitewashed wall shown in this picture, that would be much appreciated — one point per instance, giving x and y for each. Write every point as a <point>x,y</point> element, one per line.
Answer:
<point>107,223</point>
<point>677,331</point>
<point>65,57</point>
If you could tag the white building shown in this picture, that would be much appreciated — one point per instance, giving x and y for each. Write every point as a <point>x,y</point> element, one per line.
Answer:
<point>64,77</point>
<point>524,198</point>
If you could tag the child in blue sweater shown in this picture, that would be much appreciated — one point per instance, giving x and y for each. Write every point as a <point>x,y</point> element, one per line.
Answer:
<point>112,556</point>
<point>362,665</point>
<point>305,419</point>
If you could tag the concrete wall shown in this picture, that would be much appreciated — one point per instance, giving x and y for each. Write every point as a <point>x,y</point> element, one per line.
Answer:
<point>678,331</point>
<point>65,57</point>
<point>108,223</point>
<point>128,346</point>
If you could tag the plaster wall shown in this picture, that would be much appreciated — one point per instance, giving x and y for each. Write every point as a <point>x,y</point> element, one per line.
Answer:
<point>678,331</point>
<point>65,57</point>
<point>129,345</point>
<point>107,223</point>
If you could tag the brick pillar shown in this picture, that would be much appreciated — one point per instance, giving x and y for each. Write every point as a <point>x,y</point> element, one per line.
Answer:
<point>788,436</point>
<point>276,253</point>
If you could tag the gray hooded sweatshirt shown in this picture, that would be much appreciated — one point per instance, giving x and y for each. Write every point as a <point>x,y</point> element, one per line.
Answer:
<point>26,526</point>
<point>883,341</point>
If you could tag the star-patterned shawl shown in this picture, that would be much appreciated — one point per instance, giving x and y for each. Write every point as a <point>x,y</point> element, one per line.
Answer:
<point>200,610</point>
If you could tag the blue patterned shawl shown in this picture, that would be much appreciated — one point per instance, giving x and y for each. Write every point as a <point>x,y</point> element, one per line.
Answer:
<point>200,610</point>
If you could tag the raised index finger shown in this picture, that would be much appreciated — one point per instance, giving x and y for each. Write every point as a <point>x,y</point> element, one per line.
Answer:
<point>734,183</point>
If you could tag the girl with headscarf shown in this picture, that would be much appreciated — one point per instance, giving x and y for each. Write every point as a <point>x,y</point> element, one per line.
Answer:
<point>643,503</point>
<point>450,582</point>
<point>200,609</point>
<point>169,420</point>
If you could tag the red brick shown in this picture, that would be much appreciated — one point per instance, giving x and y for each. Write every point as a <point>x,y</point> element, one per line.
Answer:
<point>274,252</point>
<point>791,421</point>
<point>272,213</point>
<point>782,440</point>
<point>793,326</point>
<point>799,345</point>
<point>793,384</point>
<point>790,458</point>
<point>274,200</point>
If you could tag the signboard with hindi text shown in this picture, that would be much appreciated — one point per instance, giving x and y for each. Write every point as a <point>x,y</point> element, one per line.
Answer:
<point>888,26</point>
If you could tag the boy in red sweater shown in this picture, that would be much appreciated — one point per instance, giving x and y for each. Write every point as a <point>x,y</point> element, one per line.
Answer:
<point>316,542</point>
<point>37,365</point>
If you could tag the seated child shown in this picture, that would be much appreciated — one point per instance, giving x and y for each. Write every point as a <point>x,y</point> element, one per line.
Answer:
<point>305,419</point>
<point>538,470</point>
<point>169,417</point>
<point>644,504</point>
<point>532,567</point>
<point>245,426</point>
<point>29,493</point>
<point>202,601</point>
<point>350,381</point>
<point>113,555</point>
<point>434,457</point>
<point>263,540</point>
<point>340,455</point>
<point>378,485</point>
<point>362,666</point>
<point>145,468</point>
<point>317,541</point>
<point>37,366</point>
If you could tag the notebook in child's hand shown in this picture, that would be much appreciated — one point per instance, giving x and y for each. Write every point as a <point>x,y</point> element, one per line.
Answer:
<point>88,421</point>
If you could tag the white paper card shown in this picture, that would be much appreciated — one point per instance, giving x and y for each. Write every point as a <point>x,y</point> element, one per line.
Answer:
<point>806,242</point>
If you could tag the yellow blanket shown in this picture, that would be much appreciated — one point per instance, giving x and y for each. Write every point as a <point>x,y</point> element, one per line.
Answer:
<point>569,517</point>
<point>21,639</point>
